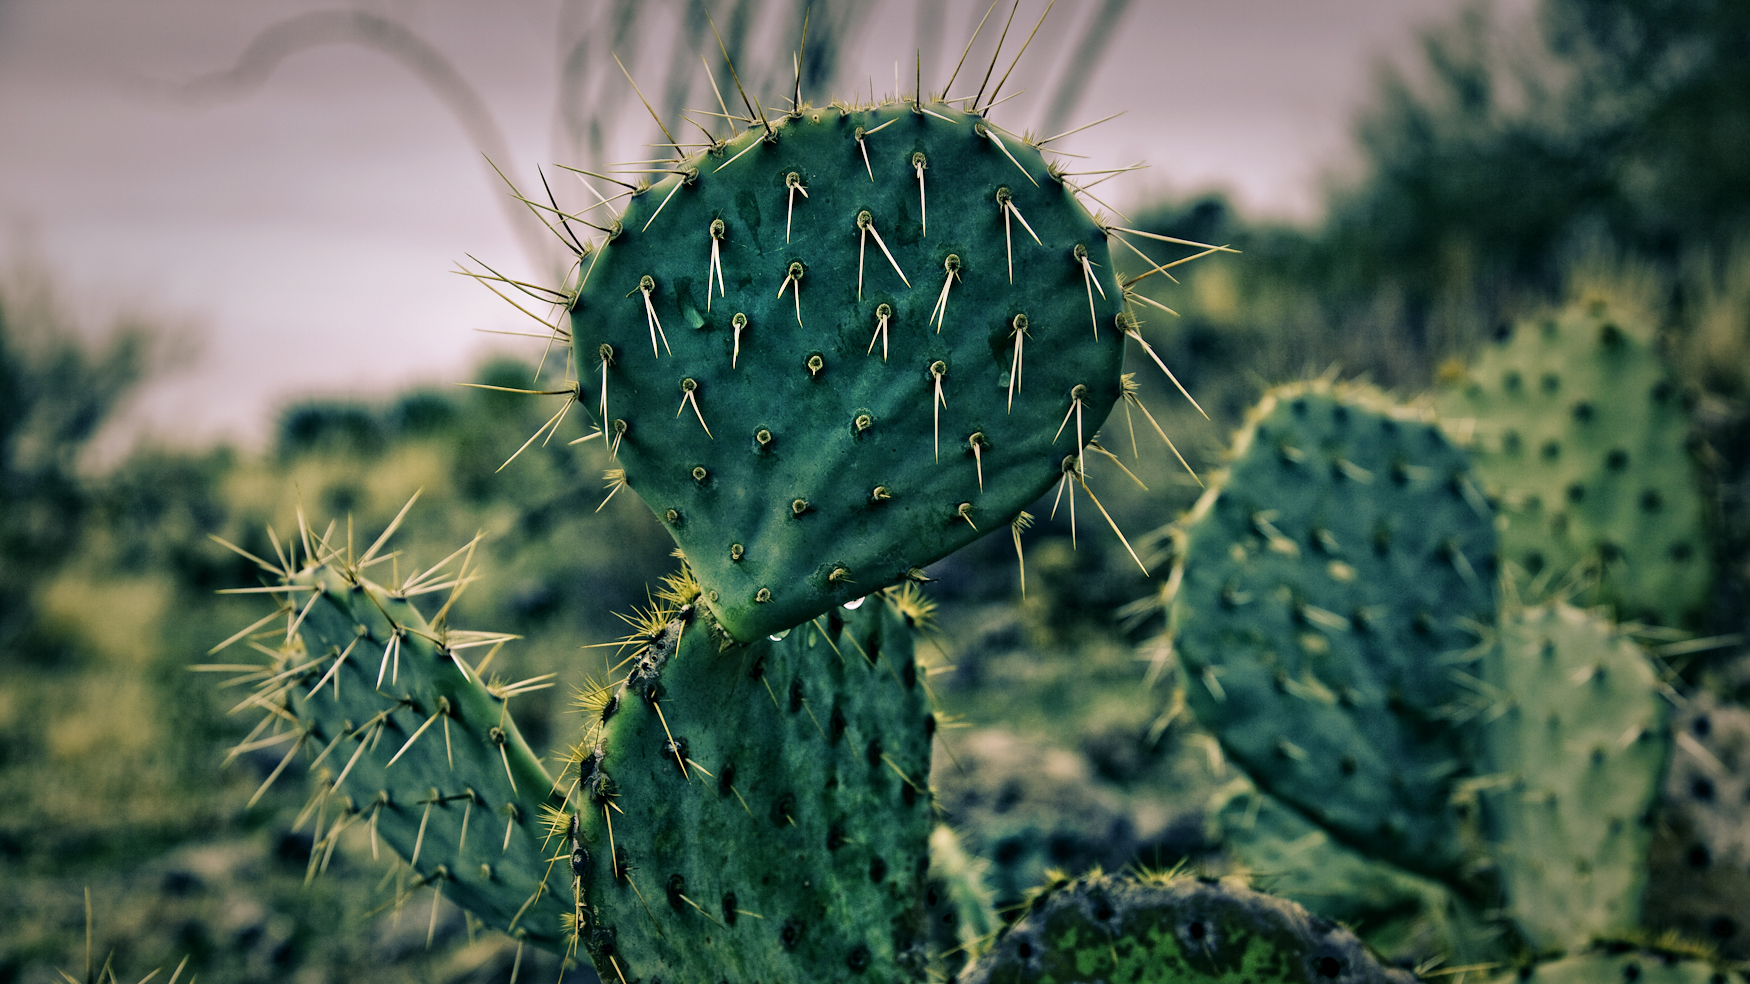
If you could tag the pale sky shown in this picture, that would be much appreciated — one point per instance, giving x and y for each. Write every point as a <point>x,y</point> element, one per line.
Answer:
<point>302,232</point>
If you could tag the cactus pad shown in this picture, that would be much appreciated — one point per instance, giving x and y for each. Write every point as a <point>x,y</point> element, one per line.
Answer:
<point>1179,930</point>
<point>1580,744</point>
<point>758,812</point>
<point>1575,425</point>
<point>1327,583</point>
<point>405,738</point>
<point>920,337</point>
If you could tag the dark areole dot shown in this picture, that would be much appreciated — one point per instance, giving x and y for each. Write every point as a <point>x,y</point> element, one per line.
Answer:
<point>1616,459</point>
<point>1702,726</point>
<point>1552,450</point>
<point>1698,856</point>
<point>1631,971</point>
<point>1576,492</point>
<point>1197,930</point>
<point>1680,551</point>
<point>1651,500</point>
<point>1702,789</point>
<point>1722,927</point>
<point>877,870</point>
<point>1024,950</point>
<point>1330,967</point>
<point>858,959</point>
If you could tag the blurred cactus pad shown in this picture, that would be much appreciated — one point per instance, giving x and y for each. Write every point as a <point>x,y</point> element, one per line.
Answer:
<point>1343,551</point>
<point>1578,429</point>
<point>843,344</point>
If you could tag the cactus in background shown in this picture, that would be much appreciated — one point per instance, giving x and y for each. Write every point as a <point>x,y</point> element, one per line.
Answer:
<point>756,812</point>
<point>1699,881</point>
<point>921,338</point>
<point>1576,426</point>
<point>1578,745</point>
<point>1342,555</point>
<point>1172,929</point>
<point>1553,728</point>
<point>1626,964</point>
<point>403,734</point>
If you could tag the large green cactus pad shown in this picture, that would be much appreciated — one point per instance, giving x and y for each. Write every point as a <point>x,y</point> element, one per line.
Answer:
<point>1179,931</point>
<point>402,736</point>
<point>807,424</point>
<point>1575,425</point>
<point>760,812</point>
<point>1579,743</point>
<point>1328,584</point>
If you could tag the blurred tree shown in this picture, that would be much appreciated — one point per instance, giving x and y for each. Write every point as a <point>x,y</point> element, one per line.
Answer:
<point>55,393</point>
<point>1628,119</point>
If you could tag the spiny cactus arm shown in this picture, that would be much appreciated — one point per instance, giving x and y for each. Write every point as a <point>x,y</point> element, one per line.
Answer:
<point>1173,931</point>
<point>758,812</point>
<point>1331,584</point>
<point>1574,751</point>
<point>402,736</point>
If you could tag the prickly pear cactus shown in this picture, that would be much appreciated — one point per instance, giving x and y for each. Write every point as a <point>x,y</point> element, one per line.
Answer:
<point>1325,591</point>
<point>1624,964</point>
<point>403,737</point>
<point>1699,879</point>
<point>758,812</point>
<point>1173,930</point>
<point>1576,426</point>
<point>1578,744</point>
<point>920,338</point>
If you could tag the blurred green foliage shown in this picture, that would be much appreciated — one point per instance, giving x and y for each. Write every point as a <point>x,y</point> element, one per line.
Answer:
<point>1608,151</point>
